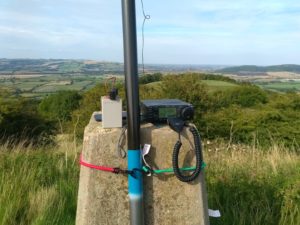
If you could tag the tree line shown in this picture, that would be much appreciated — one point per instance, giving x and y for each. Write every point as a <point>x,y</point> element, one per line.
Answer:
<point>242,114</point>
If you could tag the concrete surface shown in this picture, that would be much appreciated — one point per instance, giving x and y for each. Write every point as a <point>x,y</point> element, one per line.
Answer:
<point>102,197</point>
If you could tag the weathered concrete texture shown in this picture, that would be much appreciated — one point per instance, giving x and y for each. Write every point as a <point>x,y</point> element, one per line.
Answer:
<point>103,198</point>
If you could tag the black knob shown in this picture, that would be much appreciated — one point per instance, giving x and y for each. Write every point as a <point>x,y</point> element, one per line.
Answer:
<point>187,113</point>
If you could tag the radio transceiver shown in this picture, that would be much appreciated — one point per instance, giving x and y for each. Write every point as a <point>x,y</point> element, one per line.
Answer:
<point>159,111</point>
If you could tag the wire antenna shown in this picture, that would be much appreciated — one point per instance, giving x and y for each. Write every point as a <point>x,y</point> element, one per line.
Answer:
<point>146,17</point>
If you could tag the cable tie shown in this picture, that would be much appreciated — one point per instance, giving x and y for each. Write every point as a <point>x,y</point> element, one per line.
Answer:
<point>117,170</point>
<point>148,171</point>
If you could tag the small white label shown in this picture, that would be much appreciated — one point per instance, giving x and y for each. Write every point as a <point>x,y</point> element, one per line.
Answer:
<point>214,213</point>
<point>145,152</point>
<point>146,149</point>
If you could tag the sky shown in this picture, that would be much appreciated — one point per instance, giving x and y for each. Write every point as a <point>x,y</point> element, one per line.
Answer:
<point>222,32</point>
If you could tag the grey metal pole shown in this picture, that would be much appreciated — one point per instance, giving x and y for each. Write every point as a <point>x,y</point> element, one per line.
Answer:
<point>135,181</point>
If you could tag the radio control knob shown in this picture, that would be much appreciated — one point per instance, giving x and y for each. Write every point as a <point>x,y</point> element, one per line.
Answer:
<point>187,113</point>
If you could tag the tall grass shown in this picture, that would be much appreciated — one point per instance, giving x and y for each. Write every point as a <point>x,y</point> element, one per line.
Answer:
<point>253,187</point>
<point>37,187</point>
<point>248,186</point>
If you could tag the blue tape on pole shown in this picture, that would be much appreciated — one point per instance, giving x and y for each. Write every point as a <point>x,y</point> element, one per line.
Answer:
<point>135,180</point>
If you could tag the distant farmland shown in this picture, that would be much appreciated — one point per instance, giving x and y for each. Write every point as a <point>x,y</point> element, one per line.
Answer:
<point>39,85</point>
<point>281,86</point>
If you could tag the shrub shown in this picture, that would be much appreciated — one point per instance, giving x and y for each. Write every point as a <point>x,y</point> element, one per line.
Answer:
<point>149,78</point>
<point>247,96</point>
<point>262,125</point>
<point>20,122</point>
<point>59,105</point>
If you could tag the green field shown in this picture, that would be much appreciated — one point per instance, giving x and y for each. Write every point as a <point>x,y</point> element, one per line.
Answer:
<point>216,85</point>
<point>213,85</point>
<point>281,86</point>
<point>27,86</point>
<point>38,86</point>
<point>59,86</point>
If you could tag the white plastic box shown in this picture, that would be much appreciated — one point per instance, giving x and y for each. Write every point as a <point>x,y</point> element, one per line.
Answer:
<point>111,112</point>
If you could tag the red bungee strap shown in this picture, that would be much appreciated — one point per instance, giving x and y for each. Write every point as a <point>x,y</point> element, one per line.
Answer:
<point>102,168</point>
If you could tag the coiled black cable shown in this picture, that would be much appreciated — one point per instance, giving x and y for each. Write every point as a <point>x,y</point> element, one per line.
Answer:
<point>198,153</point>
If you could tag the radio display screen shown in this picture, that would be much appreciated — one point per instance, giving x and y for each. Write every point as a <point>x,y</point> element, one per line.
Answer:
<point>167,112</point>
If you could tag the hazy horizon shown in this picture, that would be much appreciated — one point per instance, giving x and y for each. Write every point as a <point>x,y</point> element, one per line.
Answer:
<point>149,64</point>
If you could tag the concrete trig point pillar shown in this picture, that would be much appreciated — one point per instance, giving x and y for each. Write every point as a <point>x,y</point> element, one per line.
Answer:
<point>103,196</point>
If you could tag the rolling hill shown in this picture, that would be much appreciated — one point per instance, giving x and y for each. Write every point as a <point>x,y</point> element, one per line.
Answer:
<point>58,66</point>
<point>252,69</point>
